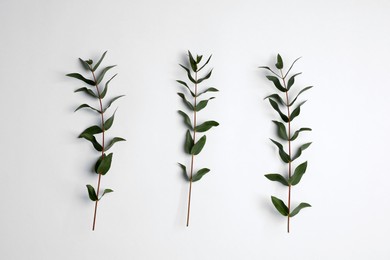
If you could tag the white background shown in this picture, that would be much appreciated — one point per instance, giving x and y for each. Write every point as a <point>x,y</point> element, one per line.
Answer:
<point>45,211</point>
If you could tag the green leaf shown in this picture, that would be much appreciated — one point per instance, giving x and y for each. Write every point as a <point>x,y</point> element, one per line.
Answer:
<point>296,111</point>
<point>101,75</point>
<point>279,63</point>
<point>112,101</point>
<point>100,61</point>
<point>292,80</point>
<point>198,58</point>
<point>205,63</point>
<point>186,102</point>
<point>92,130</point>
<point>88,91</point>
<point>105,192</point>
<point>269,69</point>
<point>188,74</point>
<point>97,164</point>
<point>202,104</point>
<point>297,209</point>
<point>192,62</point>
<point>85,64</point>
<point>86,106</point>
<point>282,132</point>
<point>113,141</point>
<point>80,77</point>
<point>105,164</point>
<point>206,126</point>
<point>283,155</point>
<point>185,84</point>
<point>292,65</point>
<point>92,139</point>
<point>300,92</point>
<point>280,206</point>
<point>104,92</point>
<point>187,120</point>
<point>205,77</point>
<point>200,174</point>
<point>184,171</point>
<point>276,82</point>
<point>189,143</point>
<point>298,173</point>
<point>276,107</point>
<point>109,122</point>
<point>91,193</point>
<point>276,98</point>
<point>208,90</point>
<point>295,135</point>
<point>300,149</point>
<point>277,177</point>
<point>197,148</point>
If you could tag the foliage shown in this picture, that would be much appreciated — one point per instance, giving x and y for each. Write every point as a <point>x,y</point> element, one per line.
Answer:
<point>283,104</point>
<point>193,145</point>
<point>98,93</point>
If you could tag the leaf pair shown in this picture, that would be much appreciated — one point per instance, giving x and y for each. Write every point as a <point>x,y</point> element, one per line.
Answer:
<point>198,107</point>
<point>285,156</point>
<point>103,164</point>
<point>190,147</point>
<point>284,117</point>
<point>293,180</point>
<point>92,193</point>
<point>282,132</point>
<point>199,174</point>
<point>195,63</point>
<point>87,64</point>
<point>283,209</point>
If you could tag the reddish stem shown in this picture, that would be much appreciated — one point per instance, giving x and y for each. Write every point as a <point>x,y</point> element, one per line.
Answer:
<point>102,126</point>
<point>192,156</point>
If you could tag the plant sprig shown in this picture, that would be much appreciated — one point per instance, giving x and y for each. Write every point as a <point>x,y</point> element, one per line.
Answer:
<point>193,145</point>
<point>103,164</point>
<point>278,103</point>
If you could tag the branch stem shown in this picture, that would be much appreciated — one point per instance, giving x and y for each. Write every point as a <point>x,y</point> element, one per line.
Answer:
<point>289,152</point>
<point>102,126</point>
<point>192,156</point>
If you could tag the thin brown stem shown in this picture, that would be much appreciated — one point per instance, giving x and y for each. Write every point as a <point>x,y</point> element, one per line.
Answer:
<point>102,126</point>
<point>192,156</point>
<point>289,152</point>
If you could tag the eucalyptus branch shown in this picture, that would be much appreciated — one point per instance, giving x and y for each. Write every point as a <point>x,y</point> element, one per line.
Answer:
<point>194,146</point>
<point>276,102</point>
<point>103,164</point>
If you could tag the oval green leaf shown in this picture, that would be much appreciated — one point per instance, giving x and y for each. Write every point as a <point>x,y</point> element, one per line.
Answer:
<point>277,83</point>
<point>189,143</point>
<point>80,77</point>
<point>91,193</point>
<point>279,63</point>
<point>197,148</point>
<point>277,177</point>
<point>206,126</point>
<point>283,155</point>
<point>282,132</point>
<point>276,107</point>
<point>105,164</point>
<point>280,206</point>
<point>87,91</point>
<point>297,209</point>
<point>298,173</point>
<point>187,120</point>
<point>184,171</point>
<point>200,174</point>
